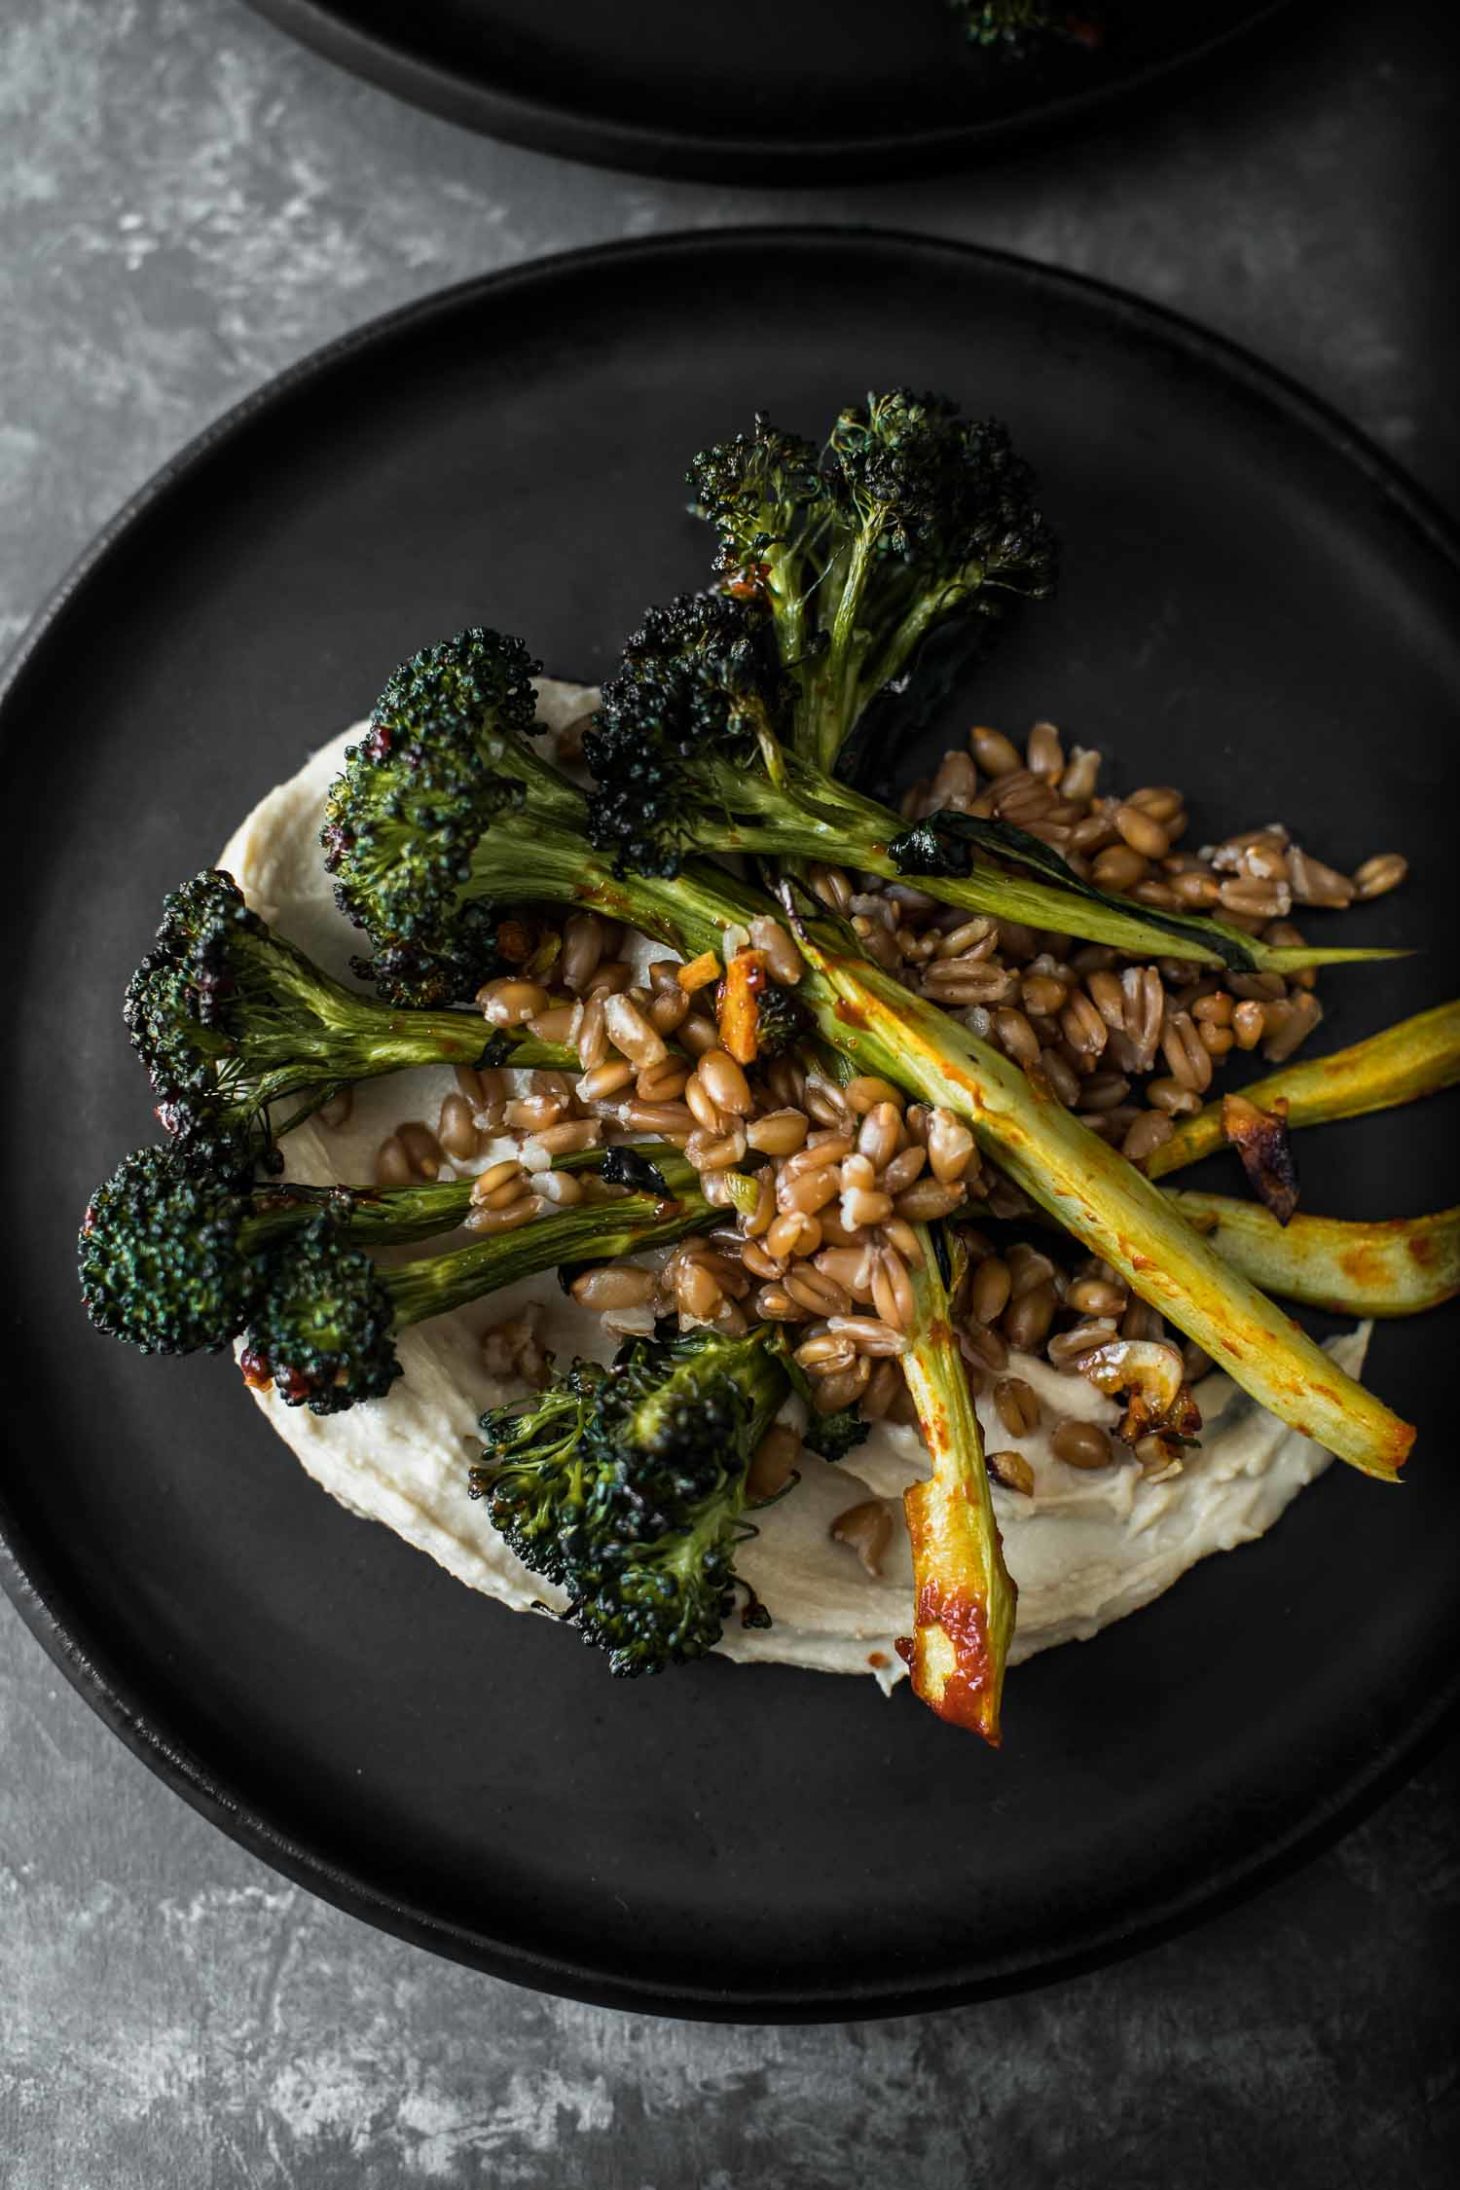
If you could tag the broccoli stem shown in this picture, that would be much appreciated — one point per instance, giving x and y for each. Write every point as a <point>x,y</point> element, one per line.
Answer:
<point>797,812</point>
<point>1396,1267</point>
<point>964,1602</point>
<point>591,1232</point>
<point>394,1216</point>
<point>1103,1200</point>
<point>836,676</point>
<point>1418,1056</point>
<point>372,1216</point>
<point>518,862</point>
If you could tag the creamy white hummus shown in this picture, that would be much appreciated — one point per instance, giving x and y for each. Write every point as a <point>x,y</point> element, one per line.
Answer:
<point>1085,1549</point>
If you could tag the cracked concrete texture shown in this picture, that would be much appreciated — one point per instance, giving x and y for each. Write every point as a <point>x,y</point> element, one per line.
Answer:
<point>187,204</point>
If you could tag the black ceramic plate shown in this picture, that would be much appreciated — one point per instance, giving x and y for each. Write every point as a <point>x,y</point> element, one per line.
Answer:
<point>764,91</point>
<point>1253,606</point>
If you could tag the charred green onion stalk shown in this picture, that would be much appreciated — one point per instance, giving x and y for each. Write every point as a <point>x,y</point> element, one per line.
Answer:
<point>627,1489</point>
<point>963,1597</point>
<point>1104,1201</point>
<point>1397,1267</point>
<point>1416,1057</point>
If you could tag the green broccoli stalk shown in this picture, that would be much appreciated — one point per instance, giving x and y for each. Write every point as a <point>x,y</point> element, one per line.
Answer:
<point>323,1322</point>
<point>229,1019</point>
<point>690,755</point>
<point>445,816</point>
<point>627,1488</point>
<point>912,521</point>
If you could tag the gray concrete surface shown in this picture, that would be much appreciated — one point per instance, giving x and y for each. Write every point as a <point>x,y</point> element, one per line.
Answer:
<point>188,203</point>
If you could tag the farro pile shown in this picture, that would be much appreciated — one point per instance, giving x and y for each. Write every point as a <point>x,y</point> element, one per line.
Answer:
<point>821,1185</point>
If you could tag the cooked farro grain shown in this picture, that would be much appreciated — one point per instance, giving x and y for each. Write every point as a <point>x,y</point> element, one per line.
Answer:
<point>664,1083</point>
<point>950,1147</point>
<point>1082,1445</point>
<point>884,1387</point>
<point>631,1034</point>
<point>1013,1471</point>
<point>423,1152</point>
<point>510,1003</point>
<point>725,1084</point>
<point>1027,1319</point>
<point>865,1529</point>
<point>773,1463</point>
<point>995,754</point>
<point>1067,1349</point>
<point>1383,873</point>
<point>778,1132</point>
<point>336,1111</point>
<point>615,1285</point>
<point>561,1188</point>
<point>1018,1405</point>
<point>523,1211</point>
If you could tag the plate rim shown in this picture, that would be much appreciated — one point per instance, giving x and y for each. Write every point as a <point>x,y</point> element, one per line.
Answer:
<point>142,1729</point>
<point>637,148</point>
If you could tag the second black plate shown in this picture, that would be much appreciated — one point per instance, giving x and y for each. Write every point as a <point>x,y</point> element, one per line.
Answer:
<point>767,91</point>
<point>1253,606</point>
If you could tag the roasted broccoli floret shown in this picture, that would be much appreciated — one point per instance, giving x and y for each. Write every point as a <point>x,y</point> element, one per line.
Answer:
<point>446,816</point>
<point>1007,24</point>
<point>173,1250</point>
<point>159,1254</point>
<point>1016,28</point>
<point>228,1018</point>
<point>689,755</point>
<point>627,1488</point>
<point>835,1435</point>
<point>323,1321</point>
<point>322,1325</point>
<point>914,520</point>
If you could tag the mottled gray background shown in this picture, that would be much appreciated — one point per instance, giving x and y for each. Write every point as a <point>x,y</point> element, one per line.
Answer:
<point>188,203</point>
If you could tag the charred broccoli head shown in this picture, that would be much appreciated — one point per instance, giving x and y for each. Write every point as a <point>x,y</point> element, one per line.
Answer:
<point>698,702</point>
<point>913,520</point>
<point>766,497</point>
<point>322,1325</point>
<point>159,1254</point>
<point>1009,24</point>
<point>446,756</point>
<point>1018,28</point>
<point>228,1018</point>
<point>627,1486</point>
<point>446,815</point>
